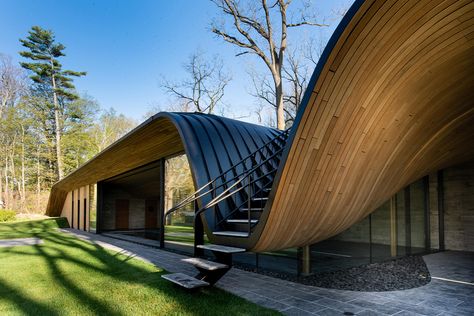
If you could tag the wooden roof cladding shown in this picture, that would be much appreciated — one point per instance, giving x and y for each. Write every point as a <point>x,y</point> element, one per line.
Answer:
<point>212,144</point>
<point>152,140</point>
<point>392,100</point>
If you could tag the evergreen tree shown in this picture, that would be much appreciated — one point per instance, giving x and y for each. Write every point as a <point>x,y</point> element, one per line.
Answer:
<point>54,83</point>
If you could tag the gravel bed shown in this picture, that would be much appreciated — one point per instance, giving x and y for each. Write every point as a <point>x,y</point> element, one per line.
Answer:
<point>398,274</point>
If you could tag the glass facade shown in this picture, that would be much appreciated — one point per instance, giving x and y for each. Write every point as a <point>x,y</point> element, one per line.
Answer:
<point>179,231</point>
<point>395,229</point>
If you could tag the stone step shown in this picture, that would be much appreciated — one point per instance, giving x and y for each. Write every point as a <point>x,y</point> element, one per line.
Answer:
<point>231,233</point>
<point>184,280</point>
<point>221,248</point>
<point>205,264</point>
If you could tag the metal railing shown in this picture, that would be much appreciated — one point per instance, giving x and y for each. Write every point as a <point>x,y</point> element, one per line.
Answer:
<point>238,182</point>
<point>248,181</point>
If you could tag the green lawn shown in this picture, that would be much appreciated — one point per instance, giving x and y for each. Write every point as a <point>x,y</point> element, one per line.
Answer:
<point>68,276</point>
<point>183,234</point>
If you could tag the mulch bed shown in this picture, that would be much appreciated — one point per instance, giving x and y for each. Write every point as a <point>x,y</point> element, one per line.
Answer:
<point>398,274</point>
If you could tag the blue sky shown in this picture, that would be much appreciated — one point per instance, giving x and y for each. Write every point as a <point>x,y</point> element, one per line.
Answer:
<point>126,46</point>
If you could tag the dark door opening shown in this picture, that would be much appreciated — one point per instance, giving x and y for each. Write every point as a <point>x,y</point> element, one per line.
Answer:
<point>129,204</point>
<point>151,217</point>
<point>122,208</point>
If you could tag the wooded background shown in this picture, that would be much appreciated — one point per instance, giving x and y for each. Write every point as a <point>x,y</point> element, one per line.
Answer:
<point>48,129</point>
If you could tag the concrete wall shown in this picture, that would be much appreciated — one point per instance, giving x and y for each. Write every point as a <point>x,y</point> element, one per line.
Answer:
<point>381,224</point>
<point>434,223</point>
<point>136,209</point>
<point>459,207</point>
<point>458,187</point>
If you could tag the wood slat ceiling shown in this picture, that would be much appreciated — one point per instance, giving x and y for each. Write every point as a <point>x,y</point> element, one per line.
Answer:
<point>152,140</point>
<point>212,144</point>
<point>392,103</point>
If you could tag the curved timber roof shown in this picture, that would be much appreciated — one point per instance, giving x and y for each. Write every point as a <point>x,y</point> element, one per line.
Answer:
<point>390,101</point>
<point>212,144</point>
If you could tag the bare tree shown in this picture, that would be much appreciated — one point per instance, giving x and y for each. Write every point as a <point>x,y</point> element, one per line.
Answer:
<point>257,30</point>
<point>204,89</point>
<point>12,88</point>
<point>12,83</point>
<point>109,128</point>
<point>296,72</point>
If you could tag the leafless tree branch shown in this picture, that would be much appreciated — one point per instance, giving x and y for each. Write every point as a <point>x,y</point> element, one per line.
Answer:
<point>205,88</point>
<point>254,30</point>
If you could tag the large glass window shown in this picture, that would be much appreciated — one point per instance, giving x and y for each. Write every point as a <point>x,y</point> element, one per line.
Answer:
<point>417,217</point>
<point>347,249</point>
<point>179,232</point>
<point>394,229</point>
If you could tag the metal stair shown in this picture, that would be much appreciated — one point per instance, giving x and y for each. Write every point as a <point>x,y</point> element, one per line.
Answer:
<point>236,198</point>
<point>209,271</point>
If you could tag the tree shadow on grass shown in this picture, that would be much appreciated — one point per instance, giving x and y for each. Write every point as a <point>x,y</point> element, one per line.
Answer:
<point>23,302</point>
<point>65,255</point>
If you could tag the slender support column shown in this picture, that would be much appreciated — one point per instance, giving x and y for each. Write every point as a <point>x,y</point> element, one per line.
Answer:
<point>198,233</point>
<point>162,203</point>
<point>441,210</point>
<point>72,209</point>
<point>407,220</point>
<point>99,207</point>
<point>370,238</point>
<point>306,261</point>
<point>393,226</point>
<point>426,190</point>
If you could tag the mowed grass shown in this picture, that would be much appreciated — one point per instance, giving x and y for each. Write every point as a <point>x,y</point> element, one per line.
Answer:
<point>68,276</point>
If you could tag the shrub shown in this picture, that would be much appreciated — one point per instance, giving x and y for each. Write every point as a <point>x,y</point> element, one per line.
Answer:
<point>7,215</point>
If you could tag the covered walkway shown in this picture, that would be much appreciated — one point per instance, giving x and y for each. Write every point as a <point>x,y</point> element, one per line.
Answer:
<point>449,293</point>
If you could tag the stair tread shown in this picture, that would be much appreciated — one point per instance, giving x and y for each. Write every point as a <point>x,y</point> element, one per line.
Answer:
<point>221,248</point>
<point>205,264</point>
<point>259,198</point>
<point>242,221</point>
<point>184,280</point>
<point>231,233</point>
<point>252,209</point>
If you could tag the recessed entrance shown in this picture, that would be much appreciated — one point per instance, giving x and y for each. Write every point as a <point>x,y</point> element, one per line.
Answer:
<point>133,205</point>
<point>130,203</point>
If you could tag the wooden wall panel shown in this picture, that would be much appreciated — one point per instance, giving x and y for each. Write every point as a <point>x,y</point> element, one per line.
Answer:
<point>392,102</point>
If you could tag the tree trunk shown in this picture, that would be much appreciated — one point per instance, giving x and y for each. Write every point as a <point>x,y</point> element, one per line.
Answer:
<point>2,198</point>
<point>7,191</point>
<point>38,179</point>
<point>57,128</point>
<point>23,191</point>
<point>280,112</point>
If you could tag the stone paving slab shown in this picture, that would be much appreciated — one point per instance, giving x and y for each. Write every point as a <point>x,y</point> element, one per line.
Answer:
<point>451,265</point>
<point>436,298</point>
<point>20,242</point>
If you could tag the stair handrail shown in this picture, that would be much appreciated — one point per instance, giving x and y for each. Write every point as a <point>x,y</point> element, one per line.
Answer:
<point>242,176</point>
<point>193,197</point>
<point>226,194</point>
<point>248,198</point>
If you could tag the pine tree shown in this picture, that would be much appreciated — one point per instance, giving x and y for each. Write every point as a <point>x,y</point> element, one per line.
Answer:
<point>55,84</point>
